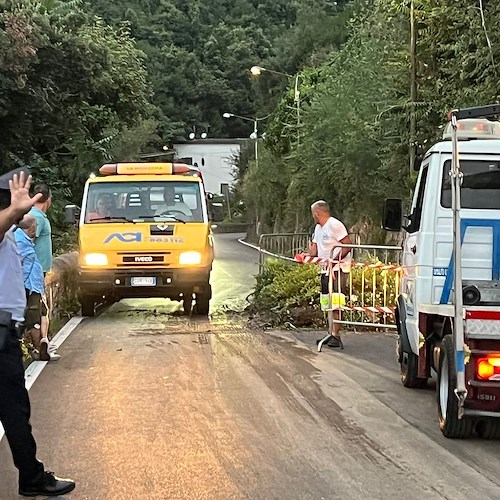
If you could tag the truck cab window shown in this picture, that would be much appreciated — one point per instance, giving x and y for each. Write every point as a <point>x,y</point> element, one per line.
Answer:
<point>416,215</point>
<point>480,186</point>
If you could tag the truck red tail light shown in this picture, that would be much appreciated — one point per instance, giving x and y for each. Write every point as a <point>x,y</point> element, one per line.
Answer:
<point>488,368</point>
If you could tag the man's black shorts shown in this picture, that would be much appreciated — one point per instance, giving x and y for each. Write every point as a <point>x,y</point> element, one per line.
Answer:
<point>35,309</point>
<point>335,283</point>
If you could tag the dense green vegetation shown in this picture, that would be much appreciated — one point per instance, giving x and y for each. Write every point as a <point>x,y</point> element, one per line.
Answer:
<point>84,82</point>
<point>352,144</point>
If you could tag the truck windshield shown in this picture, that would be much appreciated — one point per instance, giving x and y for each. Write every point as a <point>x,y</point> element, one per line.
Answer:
<point>142,201</point>
<point>480,186</point>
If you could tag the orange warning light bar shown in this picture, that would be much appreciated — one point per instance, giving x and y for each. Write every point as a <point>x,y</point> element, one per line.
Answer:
<point>144,169</point>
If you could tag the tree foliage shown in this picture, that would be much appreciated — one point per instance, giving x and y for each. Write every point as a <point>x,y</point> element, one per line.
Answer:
<point>351,144</point>
<point>199,54</point>
<point>70,87</point>
<point>82,83</point>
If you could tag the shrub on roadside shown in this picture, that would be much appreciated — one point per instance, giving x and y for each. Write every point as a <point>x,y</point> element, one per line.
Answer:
<point>283,284</point>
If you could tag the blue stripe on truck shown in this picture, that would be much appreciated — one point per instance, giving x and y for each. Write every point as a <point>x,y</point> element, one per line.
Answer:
<point>464,224</point>
<point>460,361</point>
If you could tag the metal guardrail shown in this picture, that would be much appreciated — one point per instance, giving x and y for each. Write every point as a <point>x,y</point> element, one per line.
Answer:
<point>372,287</point>
<point>286,245</point>
<point>282,245</point>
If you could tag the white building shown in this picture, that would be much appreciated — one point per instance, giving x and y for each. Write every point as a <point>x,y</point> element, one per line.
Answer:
<point>214,157</point>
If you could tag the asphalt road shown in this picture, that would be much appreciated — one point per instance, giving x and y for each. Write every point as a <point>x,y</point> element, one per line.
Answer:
<point>146,403</point>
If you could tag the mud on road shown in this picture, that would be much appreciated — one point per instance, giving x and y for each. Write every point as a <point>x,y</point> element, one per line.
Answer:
<point>147,403</point>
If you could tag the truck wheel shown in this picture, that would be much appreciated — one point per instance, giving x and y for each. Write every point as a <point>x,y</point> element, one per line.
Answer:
<point>87,303</point>
<point>409,371</point>
<point>451,426</point>
<point>202,306</point>
<point>187,303</point>
<point>488,429</point>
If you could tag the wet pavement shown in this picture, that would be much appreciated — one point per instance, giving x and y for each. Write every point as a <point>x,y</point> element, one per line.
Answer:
<point>148,404</point>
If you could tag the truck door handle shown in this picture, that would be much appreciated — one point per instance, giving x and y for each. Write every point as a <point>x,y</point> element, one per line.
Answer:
<point>414,249</point>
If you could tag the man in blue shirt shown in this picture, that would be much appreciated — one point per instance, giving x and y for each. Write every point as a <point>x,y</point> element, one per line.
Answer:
<point>43,239</point>
<point>36,320</point>
<point>15,408</point>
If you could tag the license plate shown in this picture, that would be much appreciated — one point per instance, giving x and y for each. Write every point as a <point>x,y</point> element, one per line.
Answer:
<point>143,281</point>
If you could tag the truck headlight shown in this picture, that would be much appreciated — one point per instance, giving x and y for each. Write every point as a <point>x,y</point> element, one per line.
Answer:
<point>190,258</point>
<point>95,259</point>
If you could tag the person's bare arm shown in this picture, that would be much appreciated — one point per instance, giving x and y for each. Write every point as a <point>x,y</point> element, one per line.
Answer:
<point>345,251</point>
<point>20,202</point>
<point>313,249</point>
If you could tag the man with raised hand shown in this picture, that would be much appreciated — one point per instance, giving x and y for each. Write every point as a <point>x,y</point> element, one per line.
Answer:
<point>15,201</point>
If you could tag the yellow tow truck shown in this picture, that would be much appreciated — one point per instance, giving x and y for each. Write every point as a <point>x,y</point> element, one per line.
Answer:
<point>144,232</point>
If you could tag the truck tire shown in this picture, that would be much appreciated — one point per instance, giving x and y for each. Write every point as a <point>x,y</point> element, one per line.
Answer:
<point>409,371</point>
<point>87,303</point>
<point>408,361</point>
<point>202,306</point>
<point>488,429</point>
<point>449,423</point>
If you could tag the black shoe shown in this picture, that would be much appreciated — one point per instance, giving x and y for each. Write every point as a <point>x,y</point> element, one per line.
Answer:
<point>335,343</point>
<point>50,486</point>
<point>324,340</point>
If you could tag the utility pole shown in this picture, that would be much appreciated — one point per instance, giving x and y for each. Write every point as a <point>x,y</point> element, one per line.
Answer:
<point>413,86</point>
<point>256,138</point>
<point>297,105</point>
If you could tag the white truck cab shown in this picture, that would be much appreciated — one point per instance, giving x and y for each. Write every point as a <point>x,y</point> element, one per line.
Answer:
<point>455,212</point>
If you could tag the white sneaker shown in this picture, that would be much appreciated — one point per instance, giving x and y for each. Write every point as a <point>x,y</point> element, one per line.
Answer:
<point>46,354</point>
<point>54,356</point>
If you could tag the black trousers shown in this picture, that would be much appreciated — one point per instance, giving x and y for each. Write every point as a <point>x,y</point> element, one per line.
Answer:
<point>338,285</point>
<point>15,413</point>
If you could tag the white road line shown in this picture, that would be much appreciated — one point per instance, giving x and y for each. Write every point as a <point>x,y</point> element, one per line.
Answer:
<point>36,367</point>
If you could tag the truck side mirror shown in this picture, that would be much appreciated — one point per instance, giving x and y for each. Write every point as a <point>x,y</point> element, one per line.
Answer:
<point>392,215</point>
<point>71,214</point>
<point>417,162</point>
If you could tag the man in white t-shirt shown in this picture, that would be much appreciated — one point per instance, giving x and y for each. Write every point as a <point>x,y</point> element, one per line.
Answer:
<point>328,233</point>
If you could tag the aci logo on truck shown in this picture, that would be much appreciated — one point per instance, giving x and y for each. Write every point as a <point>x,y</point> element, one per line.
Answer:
<point>125,237</point>
<point>137,238</point>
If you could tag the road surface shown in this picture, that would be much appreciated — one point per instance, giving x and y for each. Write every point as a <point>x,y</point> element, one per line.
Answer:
<point>148,404</point>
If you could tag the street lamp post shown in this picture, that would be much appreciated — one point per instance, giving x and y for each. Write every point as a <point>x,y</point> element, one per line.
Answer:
<point>254,135</point>
<point>258,70</point>
<point>413,85</point>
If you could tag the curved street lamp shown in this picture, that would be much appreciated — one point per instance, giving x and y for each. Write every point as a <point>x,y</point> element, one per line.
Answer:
<point>258,70</point>
<point>254,135</point>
